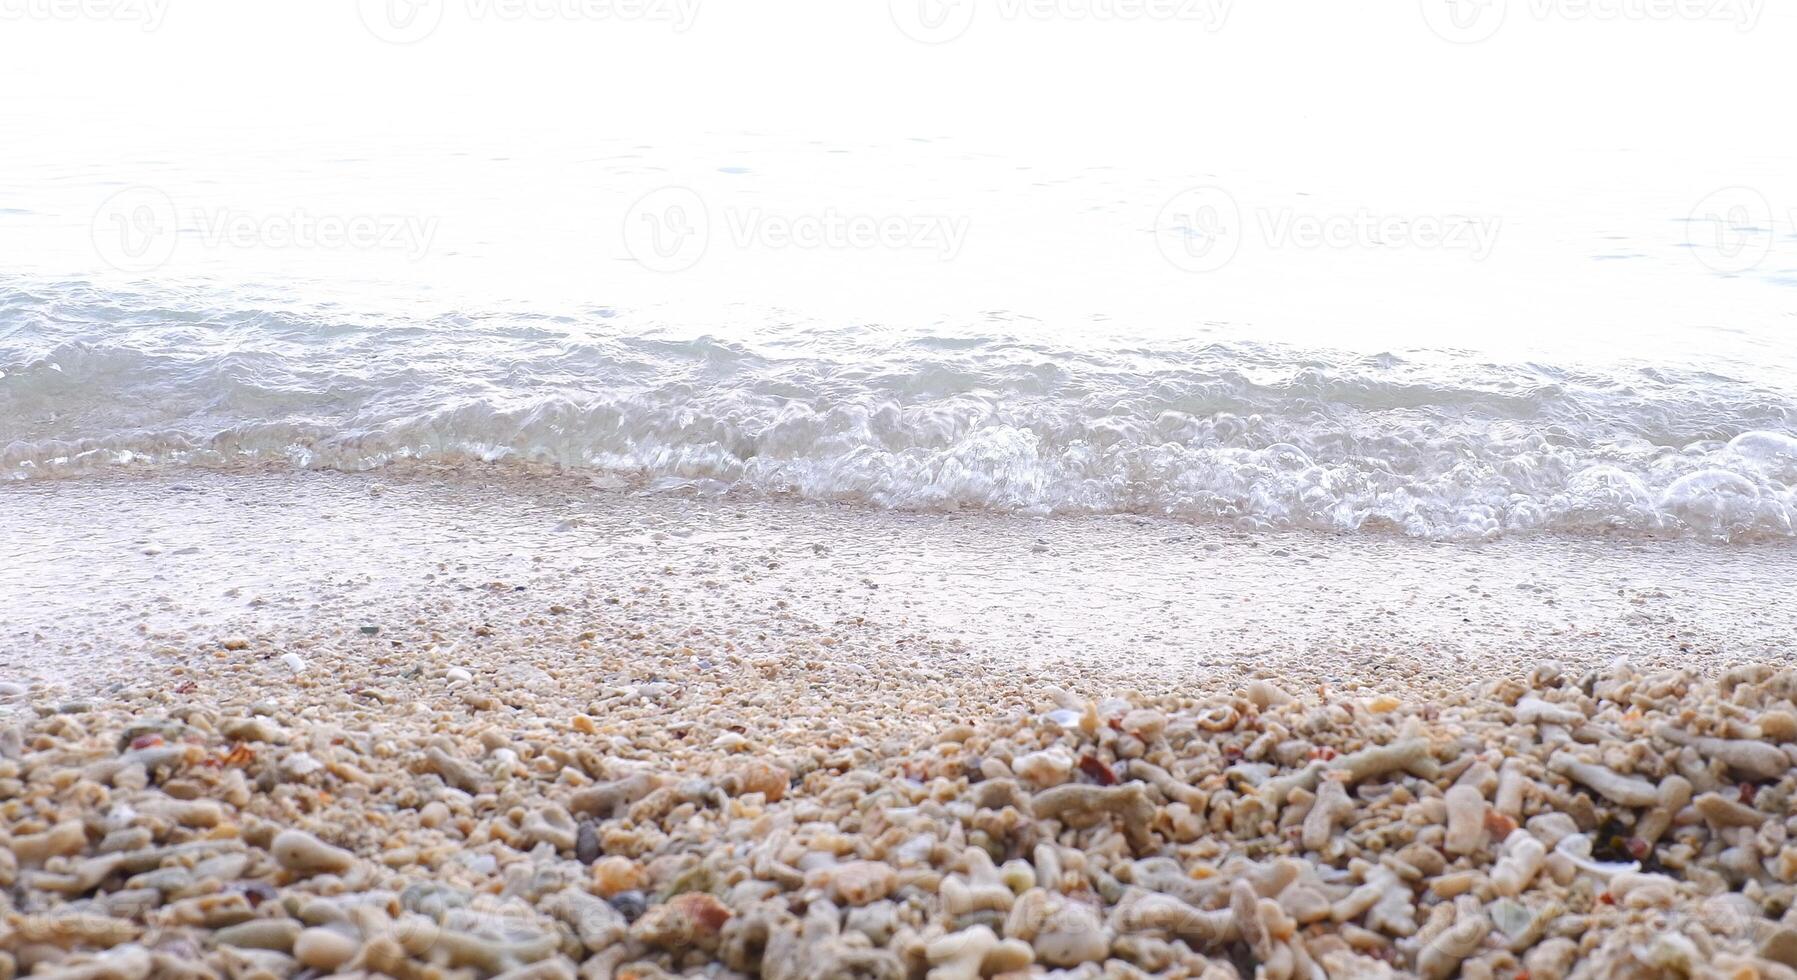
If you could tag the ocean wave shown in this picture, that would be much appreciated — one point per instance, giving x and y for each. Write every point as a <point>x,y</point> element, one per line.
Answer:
<point>990,414</point>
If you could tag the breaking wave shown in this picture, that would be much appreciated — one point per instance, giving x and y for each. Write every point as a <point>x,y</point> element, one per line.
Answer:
<point>994,414</point>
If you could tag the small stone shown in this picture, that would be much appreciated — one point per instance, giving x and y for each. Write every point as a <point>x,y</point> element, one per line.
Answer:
<point>1050,767</point>
<point>324,949</point>
<point>62,840</point>
<point>1145,724</point>
<point>586,842</point>
<point>693,919</point>
<point>630,905</point>
<point>294,662</point>
<point>1779,726</point>
<point>253,730</point>
<point>861,882</point>
<point>434,814</point>
<point>301,853</point>
<point>765,778</point>
<point>299,765</point>
<point>614,874</point>
<point>1781,946</point>
<point>961,955</point>
<point>1724,812</point>
<point>1009,956</point>
<point>1071,936</point>
<point>235,643</point>
<point>275,934</point>
<point>1466,820</point>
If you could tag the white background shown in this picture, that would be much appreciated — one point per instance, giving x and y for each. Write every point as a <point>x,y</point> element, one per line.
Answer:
<point>1588,134</point>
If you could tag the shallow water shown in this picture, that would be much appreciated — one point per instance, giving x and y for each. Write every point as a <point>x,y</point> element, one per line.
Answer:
<point>983,414</point>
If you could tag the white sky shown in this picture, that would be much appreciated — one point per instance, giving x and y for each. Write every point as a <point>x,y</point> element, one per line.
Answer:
<point>1624,111</point>
<point>1305,78</point>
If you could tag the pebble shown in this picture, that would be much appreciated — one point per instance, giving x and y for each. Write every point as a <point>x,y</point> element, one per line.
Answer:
<point>1466,820</point>
<point>640,817</point>
<point>1071,935</point>
<point>862,882</point>
<point>274,934</point>
<point>1050,767</point>
<point>630,905</point>
<point>614,874</point>
<point>586,844</point>
<point>757,776</point>
<point>300,852</point>
<point>683,922</point>
<point>1780,946</point>
<point>1778,725</point>
<point>324,949</point>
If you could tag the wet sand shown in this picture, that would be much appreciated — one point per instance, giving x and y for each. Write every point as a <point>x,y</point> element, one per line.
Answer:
<point>95,570</point>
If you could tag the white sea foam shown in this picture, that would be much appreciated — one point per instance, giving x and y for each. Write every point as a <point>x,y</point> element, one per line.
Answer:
<point>980,415</point>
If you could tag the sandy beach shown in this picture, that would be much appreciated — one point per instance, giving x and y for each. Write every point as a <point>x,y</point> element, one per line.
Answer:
<point>921,490</point>
<point>413,725</point>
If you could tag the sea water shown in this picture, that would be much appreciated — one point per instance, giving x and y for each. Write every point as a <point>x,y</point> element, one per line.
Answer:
<point>1280,318</point>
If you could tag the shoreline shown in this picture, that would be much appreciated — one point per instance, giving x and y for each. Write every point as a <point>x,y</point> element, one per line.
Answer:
<point>188,558</point>
<point>395,726</point>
